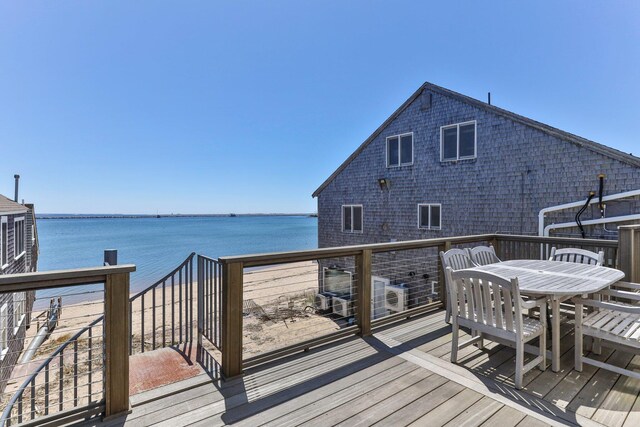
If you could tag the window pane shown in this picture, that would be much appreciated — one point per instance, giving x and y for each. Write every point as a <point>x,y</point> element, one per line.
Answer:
<point>449,144</point>
<point>392,152</point>
<point>346,218</point>
<point>406,149</point>
<point>424,216</point>
<point>467,140</point>
<point>357,218</point>
<point>435,216</point>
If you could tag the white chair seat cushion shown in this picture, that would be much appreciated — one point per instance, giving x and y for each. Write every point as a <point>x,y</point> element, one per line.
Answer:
<point>616,326</point>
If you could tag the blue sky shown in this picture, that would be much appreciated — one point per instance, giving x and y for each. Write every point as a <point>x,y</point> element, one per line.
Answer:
<point>216,107</point>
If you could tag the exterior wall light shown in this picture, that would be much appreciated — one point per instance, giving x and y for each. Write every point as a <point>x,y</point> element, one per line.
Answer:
<point>384,183</point>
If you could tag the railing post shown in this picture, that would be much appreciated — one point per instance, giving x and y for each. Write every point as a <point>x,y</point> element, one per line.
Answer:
<point>110,257</point>
<point>363,289</point>
<point>116,337</point>
<point>495,242</point>
<point>629,251</point>
<point>443,288</point>
<point>232,319</point>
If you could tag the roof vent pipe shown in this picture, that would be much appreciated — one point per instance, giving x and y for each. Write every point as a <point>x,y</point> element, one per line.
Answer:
<point>15,197</point>
<point>489,98</point>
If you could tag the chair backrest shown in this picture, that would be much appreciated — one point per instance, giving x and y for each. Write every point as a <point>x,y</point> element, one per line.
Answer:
<point>457,259</point>
<point>486,298</point>
<point>483,255</point>
<point>579,256</point>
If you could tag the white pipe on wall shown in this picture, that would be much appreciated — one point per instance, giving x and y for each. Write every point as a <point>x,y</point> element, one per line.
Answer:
<point>542,230</point>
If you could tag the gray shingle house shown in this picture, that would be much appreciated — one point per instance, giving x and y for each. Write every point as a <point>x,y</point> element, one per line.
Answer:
<point>18,254</point>
<point>445,164</point>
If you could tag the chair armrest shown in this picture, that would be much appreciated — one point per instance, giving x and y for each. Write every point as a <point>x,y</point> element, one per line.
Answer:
<point>620,294</point>
<point>608,305</point>
<point>532,303</point>
<point>626,285</point>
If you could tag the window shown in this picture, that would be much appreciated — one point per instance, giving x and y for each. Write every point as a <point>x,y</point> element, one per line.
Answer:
<point>19,307</point>
<point>4,331</point>
<point>4,239</point>
<point>337,281</point>
<point>400,150</point>
<point>18,237</point>
<point>352,218</point>
<point>458,142</point>
<point>429,216</point>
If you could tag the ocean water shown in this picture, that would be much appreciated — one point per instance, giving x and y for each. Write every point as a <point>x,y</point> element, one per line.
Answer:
<point>158,245</point>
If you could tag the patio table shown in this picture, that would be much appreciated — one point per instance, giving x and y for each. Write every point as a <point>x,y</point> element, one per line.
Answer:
<point>558,280</point>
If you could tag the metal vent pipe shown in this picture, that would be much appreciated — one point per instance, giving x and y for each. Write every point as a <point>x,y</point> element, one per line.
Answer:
<point>15,197</point>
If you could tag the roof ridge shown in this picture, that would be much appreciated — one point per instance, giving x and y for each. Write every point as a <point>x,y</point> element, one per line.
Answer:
<point>559,133</point>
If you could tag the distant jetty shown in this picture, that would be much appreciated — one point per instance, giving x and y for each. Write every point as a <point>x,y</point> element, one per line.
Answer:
<point>155,216</point>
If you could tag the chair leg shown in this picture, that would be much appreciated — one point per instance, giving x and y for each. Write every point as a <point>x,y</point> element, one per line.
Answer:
<point>596,347</point>
<point>519,363</point>
<point>480,343</point>
<point>454,342</point>
<point>543,339</point>
<point>578,339</point>
<point>543,351</point>
<point>447,316</point>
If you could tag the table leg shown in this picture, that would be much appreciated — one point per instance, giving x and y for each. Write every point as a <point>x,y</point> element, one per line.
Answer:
<point>555,334</point>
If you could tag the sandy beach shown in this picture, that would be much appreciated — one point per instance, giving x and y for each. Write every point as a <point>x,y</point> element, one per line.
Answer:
<point>278,311</point>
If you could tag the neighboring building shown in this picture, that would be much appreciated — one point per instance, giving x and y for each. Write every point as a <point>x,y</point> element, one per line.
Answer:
<point>445,164</point>
<point>18,254</point>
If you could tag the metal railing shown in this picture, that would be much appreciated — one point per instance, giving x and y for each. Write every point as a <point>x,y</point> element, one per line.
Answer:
<point>162,314</point>
<point>107,381</point>
<point>209,300</point>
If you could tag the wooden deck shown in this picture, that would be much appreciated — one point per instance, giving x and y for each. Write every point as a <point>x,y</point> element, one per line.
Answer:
<point>400,376</point>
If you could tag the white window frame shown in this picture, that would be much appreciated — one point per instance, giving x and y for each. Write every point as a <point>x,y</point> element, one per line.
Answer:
<point>429,227</point>
<point>19,308</point>
<point>386,153</point>
<point>352,231</point>
<point>457,126</point>
<point>17,255</point>
<point>3,250</point>
<point>4,330</point>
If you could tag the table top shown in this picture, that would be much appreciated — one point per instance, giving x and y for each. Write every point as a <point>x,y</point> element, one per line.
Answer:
<point>555,277</point>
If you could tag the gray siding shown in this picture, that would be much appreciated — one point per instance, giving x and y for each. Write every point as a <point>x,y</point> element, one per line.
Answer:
<point>16,341</point>
<point>518,171</point>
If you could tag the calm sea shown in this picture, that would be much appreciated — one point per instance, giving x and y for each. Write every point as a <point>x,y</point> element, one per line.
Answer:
<point>158,245</point>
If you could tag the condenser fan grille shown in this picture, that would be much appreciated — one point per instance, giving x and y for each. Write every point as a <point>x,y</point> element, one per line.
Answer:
<point>392,298</point>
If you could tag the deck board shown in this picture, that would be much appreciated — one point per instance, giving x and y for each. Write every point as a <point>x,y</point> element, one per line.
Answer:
<point>475,415</point>
<point>401,376</point>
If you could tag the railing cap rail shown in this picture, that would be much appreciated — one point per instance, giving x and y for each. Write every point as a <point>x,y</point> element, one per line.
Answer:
<point>58,278</point>
<point>254,260</point>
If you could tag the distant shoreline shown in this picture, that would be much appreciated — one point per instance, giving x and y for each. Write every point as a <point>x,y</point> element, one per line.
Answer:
<point>158,216</point>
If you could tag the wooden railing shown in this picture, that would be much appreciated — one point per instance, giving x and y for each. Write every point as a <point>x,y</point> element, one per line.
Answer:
<point>115,359</point>
<point>234,270</point>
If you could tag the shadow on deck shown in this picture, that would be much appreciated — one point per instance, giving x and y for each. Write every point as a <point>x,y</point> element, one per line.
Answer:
<point>399,376</point>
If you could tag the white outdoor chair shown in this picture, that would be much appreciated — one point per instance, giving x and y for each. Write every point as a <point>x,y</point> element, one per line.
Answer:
<point>457,259</point>
<point>492,305</point>
<point>483,255</point>
<point>576,255</point>
<point>611,322</point>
